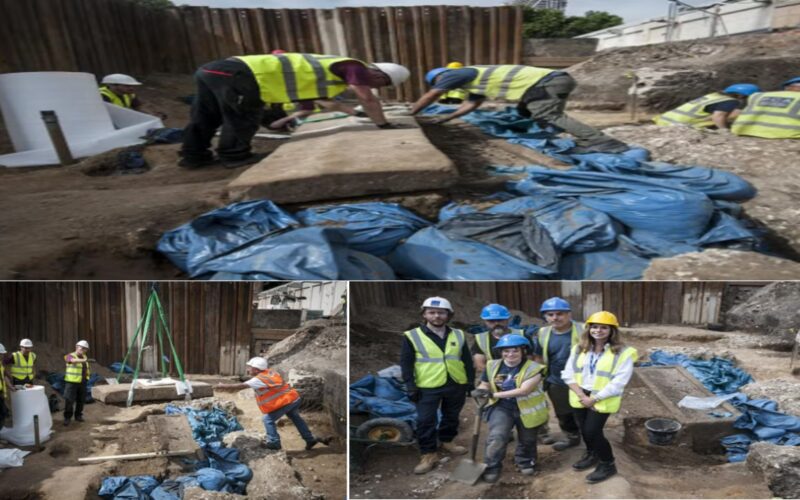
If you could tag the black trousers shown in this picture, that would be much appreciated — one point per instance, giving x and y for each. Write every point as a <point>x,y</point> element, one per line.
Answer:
<point>591,424</point>
<point>227,98</point>
<point>559,396</point>
<point>74,398</point>
<point>450,399</point>
<point>3,408</point>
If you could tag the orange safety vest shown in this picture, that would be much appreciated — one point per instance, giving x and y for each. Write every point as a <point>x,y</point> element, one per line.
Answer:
<point>276,394</point>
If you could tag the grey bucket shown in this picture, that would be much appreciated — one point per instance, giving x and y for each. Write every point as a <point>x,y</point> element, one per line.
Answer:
<point>662,431</point>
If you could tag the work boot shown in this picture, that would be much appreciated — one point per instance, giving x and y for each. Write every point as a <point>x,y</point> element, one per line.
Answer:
<point>452,448</point>
<point>491,476</point>
<point>588,459</point>
<point>603,471</point>
<point>79,419</point>
<point>326,441</point>
<point>572,440</point>
<point>546,439</point>
<point>193,164</point>
<point>271,445</point>
<point>66,422</point>
<point>248,160</point>
<point>526,470</point>
<point>426,463</point>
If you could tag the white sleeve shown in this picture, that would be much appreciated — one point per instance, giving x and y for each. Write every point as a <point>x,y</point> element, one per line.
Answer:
<point>618,381</point>
<point>255,383</point>
<point>568,374</point>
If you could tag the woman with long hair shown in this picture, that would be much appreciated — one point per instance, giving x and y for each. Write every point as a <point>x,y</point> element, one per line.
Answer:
<point>597,372</point>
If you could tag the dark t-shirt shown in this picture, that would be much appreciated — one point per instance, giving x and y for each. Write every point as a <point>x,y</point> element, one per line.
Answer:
<point>558,350</point>
<point>505,380</point>
<point>477,350</point>
<point>726,106</point>
<point>453,79</point>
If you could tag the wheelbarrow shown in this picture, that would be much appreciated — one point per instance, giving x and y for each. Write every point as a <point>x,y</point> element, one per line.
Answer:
<point>375,433</point>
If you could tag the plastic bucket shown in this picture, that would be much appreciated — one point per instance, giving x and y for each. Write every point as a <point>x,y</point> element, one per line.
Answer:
<point>662,431</point>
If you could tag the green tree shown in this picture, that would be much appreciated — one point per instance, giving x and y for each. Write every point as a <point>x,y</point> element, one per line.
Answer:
<point>552,23</point>
<point>154,4</point>
<point>591,21</point>
<point>544,23</point>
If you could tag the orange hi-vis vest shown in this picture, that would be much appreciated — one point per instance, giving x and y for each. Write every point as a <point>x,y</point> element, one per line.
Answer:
<point>276,394</point>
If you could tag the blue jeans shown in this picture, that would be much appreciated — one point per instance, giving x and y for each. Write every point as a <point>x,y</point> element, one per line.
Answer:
<point>292,411</point>
<point>501,421</point>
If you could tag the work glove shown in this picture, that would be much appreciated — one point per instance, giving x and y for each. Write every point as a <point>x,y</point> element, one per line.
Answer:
<point>414,395</point>
<point>480,393</point>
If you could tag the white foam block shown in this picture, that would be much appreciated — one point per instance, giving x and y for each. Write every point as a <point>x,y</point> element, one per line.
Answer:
<point>25,403</point>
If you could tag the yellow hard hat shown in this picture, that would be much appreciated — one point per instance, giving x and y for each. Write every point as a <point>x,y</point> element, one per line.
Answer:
<point>454,65</point>
<point>603,318</point>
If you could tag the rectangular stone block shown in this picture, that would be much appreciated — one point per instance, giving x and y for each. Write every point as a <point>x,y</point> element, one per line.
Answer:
<point>118,394</point>
<point>354,159</point>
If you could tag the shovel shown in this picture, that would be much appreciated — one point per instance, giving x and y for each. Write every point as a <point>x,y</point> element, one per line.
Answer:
<point>468,470</point>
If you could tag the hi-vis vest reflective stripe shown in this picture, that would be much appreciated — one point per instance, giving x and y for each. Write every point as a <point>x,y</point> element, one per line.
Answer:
<point>22,369</point>
<point>605,370</point>
<point>693,112</point>
<point>533,407</point>
<point>482,339</point>
<point>431,365</point>
<point>772,115</point>
<point>2,378</point>
<point>276,394</point>
<point>505,81</point>
<point>544,339</point>
<point>296,77</point>
<point>73,373</point>
<point>454,94</point>
<point>125,101</point>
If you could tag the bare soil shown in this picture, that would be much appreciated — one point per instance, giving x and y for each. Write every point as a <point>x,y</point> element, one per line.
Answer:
<point>645,471</point>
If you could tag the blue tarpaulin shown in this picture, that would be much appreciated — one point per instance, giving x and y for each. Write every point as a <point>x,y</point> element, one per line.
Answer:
<point>760,418</point>
<point>382,397</point>
<point>115,367</point>
<point>220,471</point>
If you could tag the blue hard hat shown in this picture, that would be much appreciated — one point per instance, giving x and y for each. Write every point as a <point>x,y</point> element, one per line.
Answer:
<point>430,75</point>
<point>742,89</point>
<point>789,82</point>
<point>495,312</point>
<point>555,304</point>
<point>512,340</point>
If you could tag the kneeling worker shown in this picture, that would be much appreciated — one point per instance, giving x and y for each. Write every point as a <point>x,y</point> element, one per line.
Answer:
<point>718,109</point>
<point>513,385</point>
<point>75,379</point>
<point>275,398</point>
<point>772,115</point>
<point>541,94</point>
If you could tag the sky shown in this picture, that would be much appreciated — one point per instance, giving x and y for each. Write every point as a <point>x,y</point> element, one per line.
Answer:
<point>629,10</point>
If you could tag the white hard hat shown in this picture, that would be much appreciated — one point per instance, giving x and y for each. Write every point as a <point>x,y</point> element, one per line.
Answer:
<point>25,343</point>
<point>258,362</point>
<point>120,79</point>
<point>2,349</point>
<point>438,302</point>
<point>82,343</point>
<point>397,72</point>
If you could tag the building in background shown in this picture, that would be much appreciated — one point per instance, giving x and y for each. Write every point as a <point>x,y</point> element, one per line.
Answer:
<point>548,4</point>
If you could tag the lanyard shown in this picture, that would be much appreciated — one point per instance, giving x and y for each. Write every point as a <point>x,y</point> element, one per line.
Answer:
<point>593,359</point>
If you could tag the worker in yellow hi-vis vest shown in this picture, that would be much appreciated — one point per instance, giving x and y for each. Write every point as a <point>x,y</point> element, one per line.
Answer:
<point>20,366</point>
<point>772,115</point>
<point>437,370</point>
<point>540,93</point>
<point>714,110</point>
<point>495,318</point>
<point>3,391</point>
<point>597,371</point>
<point>75,379</point>
<point>231,94</point>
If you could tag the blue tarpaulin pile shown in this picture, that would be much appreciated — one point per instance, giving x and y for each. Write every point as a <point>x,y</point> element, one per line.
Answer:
<point>382,397</point>
<point>220,471</point>
<point>760,418</point>
<point>117,366</point>
<point>604,218</point>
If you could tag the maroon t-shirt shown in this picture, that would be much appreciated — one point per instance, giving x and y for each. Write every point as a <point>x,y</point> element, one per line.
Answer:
<point>353,73</point>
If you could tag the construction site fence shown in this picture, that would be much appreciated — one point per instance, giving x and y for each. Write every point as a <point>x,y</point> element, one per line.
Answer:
<point>634,302</point>
<point>210,323</point>
<point>119,36</point>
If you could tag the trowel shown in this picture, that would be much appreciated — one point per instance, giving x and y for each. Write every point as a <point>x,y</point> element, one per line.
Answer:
<point>468,470</point>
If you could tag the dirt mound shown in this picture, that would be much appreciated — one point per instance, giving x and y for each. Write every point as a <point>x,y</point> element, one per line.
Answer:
<point>319,345</point>
<point>773,309</point>
<point>677,72</point>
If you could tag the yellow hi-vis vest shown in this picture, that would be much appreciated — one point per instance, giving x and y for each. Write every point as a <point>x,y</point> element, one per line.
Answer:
<point>772,115</point>
<point>506,81</point>
<point>692,113</point>
<point>544,339</point>
<point>22,369</point>
<point>296,77</point>
<point>2,378</point>
<point>432,366</point>
<point>454,94</point>
<point>484,343</point>
<point>73,373</point>
<point>604,372</point>
<point>533,407</point>
<point>126,101</point>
